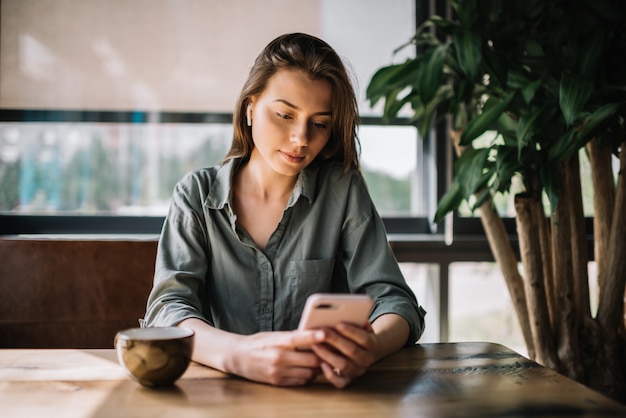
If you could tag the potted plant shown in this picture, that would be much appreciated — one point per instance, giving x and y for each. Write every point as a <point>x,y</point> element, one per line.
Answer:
<point>549,76</point>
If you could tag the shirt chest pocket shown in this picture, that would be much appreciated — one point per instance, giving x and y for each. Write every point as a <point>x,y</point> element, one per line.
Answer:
<point>307,277</point>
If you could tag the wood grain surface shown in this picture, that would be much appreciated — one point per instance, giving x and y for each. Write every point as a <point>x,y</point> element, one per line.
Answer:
<point>428,380</point>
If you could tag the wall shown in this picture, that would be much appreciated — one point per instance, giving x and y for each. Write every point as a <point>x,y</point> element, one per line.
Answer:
<point>183,55</point>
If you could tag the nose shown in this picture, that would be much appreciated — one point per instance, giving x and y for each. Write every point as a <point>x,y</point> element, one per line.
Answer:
<point>299,135</point>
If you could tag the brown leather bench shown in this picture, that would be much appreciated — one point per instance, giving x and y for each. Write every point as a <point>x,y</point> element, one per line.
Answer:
<point>74,293</point>
<point>62,293</point>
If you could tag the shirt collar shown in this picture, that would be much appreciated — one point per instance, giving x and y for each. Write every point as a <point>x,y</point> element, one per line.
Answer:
<point>305,185</point>
<point>220,191</point>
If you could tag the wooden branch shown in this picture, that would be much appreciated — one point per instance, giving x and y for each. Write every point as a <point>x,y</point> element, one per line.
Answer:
<point>580,257</point>
<point>545,238</point>
<point>605,342</point>
<point>566,326</point>
<point>603,204</point>
<point>528,225</point>
<point>505,257</point>
<point>611,305</point>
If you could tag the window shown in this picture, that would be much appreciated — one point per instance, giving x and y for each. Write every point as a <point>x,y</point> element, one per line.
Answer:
<point>103,168</point>
<point>423,278</point>
<point>57,168</point>
<point>481,308</point>
<point>145,94</point>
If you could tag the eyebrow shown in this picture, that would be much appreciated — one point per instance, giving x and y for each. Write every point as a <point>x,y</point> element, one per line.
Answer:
<point>293,106</point>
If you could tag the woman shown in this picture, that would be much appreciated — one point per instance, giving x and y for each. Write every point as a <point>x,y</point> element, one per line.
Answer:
<point>286,215</point>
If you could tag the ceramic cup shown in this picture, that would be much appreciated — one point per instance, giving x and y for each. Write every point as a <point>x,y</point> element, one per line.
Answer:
<point>155,356</point>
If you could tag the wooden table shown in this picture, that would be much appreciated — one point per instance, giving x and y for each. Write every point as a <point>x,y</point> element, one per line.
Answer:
<point>428,380</point>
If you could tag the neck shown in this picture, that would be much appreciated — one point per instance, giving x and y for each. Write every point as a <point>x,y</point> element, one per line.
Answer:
<point>263,182</point>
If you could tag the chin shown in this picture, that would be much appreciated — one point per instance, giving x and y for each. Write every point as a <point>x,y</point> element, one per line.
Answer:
<point>291,170</point>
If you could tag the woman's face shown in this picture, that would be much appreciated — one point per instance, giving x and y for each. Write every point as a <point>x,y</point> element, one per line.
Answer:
<point>291,121</point>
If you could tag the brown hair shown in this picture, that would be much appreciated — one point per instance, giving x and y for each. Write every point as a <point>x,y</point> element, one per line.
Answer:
<point>313,56</point>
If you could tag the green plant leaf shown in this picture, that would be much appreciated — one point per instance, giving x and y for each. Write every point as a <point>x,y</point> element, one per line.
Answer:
<point>573,93</point>
<point>533,122</point>
<point>466,11</point>
<point>574,139</point>
<point>431,75</point>
<point>507,127</point>
<point>449,201</point>
<point>486,120</point>
<point>550,178</point>
<point>496,67</point>
<point>392,77</point>
<point>533,48</point>
<point>591,53</point>
<point>517,79</point>
<point>463,90</point>
<point>509,138</point>
<point>487,176</point>
<point>507,164</point>
<point>468,52</point>
<point>469,169</point>
<point>559,149</point>
<point>529,90</point>
<point>596,121</point>
<point>425,113</point>
<point>392,104</point>
<point>481,199</point>
<point>417,106</point>
<point>444,25</point>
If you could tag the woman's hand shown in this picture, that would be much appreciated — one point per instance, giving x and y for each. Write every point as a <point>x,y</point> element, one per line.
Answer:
<point>341,353</point>
<point>275,357</point>
<point>347,352</point>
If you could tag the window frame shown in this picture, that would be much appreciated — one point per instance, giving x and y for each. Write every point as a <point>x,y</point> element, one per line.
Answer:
<point>18,224</point>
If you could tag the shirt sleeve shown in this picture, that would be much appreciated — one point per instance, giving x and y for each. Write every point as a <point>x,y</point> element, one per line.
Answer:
<point>181,262</point>
<point>370,264</point>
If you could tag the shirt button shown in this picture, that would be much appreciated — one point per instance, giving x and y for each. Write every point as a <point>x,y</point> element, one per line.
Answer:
<point>266,266</point>
<point>266,309</point>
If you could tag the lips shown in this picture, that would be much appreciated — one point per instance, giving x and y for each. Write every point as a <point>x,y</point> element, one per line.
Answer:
<point>292,157</point>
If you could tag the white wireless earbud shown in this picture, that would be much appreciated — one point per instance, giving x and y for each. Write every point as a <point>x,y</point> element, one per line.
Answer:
<point>249,114</point>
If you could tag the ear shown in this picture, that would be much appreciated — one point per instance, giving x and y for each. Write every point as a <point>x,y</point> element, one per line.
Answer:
<point>249,106</point>
<point>249,114</point>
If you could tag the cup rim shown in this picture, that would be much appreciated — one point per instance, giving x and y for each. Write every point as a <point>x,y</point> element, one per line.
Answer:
<point>155,333</point>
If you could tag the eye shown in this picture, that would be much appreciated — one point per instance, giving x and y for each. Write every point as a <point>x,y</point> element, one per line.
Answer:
<point>283,115</point>
<point>320,125</point>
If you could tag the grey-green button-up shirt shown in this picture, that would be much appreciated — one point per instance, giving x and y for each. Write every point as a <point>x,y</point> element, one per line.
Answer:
<point>330,239</point>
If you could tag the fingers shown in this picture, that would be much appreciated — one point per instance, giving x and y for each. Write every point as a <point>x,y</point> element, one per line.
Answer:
<point>355,343</point>
<point>364,337</point>
<point>302,339</point>
<point>335,376</point>
<point>284,367</point>
<point>292,368</point>
<point>339,364</point>
<point>273,358</point>
<point>346,353</point>
<point>340,353</point>
<point>293,376</point>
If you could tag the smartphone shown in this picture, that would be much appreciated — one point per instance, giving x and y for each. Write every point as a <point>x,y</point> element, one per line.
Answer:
<point>328,309</point>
